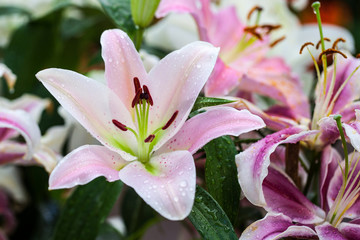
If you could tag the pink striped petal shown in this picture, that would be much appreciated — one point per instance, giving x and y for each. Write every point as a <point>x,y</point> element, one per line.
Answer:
<point>94,105</point>
<point>11,151</point>
<point>122,64</point>
<point>215,122</point>
<point>273,78</point>
<point>348,112</point>
<point>329,163</point>
<point>170,186</point>
<point>222,80</point>
<point>335,185</point>
<point>85,164</point>
<point>326,232</point>
<point>350,230</point>
<point>282,196</point>
<point>23,123</point>
<point>252,164</point>
<point>329,132</point>
<point>276,226</point>
<point>352,130</point>
<point>174,84</point>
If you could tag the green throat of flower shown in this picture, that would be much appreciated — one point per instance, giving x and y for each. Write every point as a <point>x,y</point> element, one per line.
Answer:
<point>141,103</point>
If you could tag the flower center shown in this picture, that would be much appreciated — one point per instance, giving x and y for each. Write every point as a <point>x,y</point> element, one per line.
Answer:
<point>142,102</point>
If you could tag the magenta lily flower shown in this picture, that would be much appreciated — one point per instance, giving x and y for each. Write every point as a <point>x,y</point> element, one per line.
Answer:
<point>140,118</point>
<point>291,214</point>
<point>242,63</point>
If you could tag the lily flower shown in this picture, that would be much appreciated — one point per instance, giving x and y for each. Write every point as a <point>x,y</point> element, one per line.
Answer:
<point>242,63</point>
<point>291,214</point>
<point>20,117</point>
<point>140,118</point>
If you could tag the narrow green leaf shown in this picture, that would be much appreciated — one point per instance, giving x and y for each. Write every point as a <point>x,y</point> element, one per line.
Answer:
<point>120,12</point>
<point>209,219</point>
<point>5,10</point>
<point>221,175</point>
<point>86,210</point>
<point>209,102</point>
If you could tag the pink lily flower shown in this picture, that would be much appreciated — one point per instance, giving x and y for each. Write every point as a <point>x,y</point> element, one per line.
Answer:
<point>140,118</point>
<point>20,117</point>
<point>242,63</point>
<point>291,214</point>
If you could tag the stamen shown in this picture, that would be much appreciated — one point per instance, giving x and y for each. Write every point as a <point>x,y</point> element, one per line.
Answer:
<point>171,120</point>
<point>136,84</point>
<point>357,55</point>
<point>270,27</point>
<point>319,42</point>
<point>119,125</point>
<point>331,51</point>
<point>150,138</point>
<point>252,30</point>
<point>277,41</point>
<point>334,46</point>
<point>148,95</point>
<point>256,8</point>
<point>136,98</point>
<point>304,45</point>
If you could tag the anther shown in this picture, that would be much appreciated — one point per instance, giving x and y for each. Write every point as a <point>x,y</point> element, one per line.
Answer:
<point>305,45</point>
<point>119,125</point>
<point>252,30</point>
<point>269,28</point>
<point>319,42</point>
<point>149,98</point>
<point>137,97</point>
<point>136,84</point>
<point>150,138</point>
<point>334,46</point>
<point>171,120</point>
<point>255,8</point>
<point>357,55</point>
<point>331,51</point>
<point>277,41</point>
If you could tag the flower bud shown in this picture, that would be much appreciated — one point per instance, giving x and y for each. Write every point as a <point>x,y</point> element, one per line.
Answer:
<point>143,11</point>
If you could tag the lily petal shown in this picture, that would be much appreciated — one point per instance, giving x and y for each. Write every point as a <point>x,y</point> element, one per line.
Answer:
<point>188,68</point>
<point>275,226</point>
<point>94,108</point>
<point>11,151</point>
<point>348,112</point>
<point>325,232</point>
<point>329,163</point>
<point>282,196</point>
<point>350,230</point>
<point>215,122</point>
<point>352,130</point>
<point>85,164</point>
<point>122,64</point>
<point>252,164</point>
<point>21,122</point>
<point>170,186</point>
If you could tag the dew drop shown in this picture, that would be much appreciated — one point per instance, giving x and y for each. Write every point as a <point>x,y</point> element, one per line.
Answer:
<point>183,184</point>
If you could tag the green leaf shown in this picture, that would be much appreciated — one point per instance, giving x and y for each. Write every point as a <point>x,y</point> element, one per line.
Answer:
<point>221,175</point>
<point>209,102</point>
<point>136,214</point>
<point>86,210</point>
<point>120,12</point>
<point>209,219</point>
<point>5,10</point>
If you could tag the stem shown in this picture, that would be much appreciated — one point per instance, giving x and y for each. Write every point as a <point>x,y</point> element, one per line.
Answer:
<point>138,37</point>
<point>316,7</point>
<point>312,170</point>
<point>292,162</point>
<point>339,125</point>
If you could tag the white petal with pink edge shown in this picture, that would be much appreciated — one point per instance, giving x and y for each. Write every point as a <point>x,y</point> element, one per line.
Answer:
<point>169,187</point>
<point>85,164</point>
<point>215,122</point>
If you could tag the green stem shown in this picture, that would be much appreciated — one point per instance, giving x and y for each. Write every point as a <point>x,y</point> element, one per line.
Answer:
<point>292,162</point>
<point>139,33</point>
<point>339,125</point>
<point>313,167</point>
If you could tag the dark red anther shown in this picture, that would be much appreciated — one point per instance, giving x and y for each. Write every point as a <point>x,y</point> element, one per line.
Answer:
<point>148,95</point>
<point>137,97</point>
<point>119,125</point>
<point>171,120</point>
<point>136,84</point>
<point>150,138</point>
